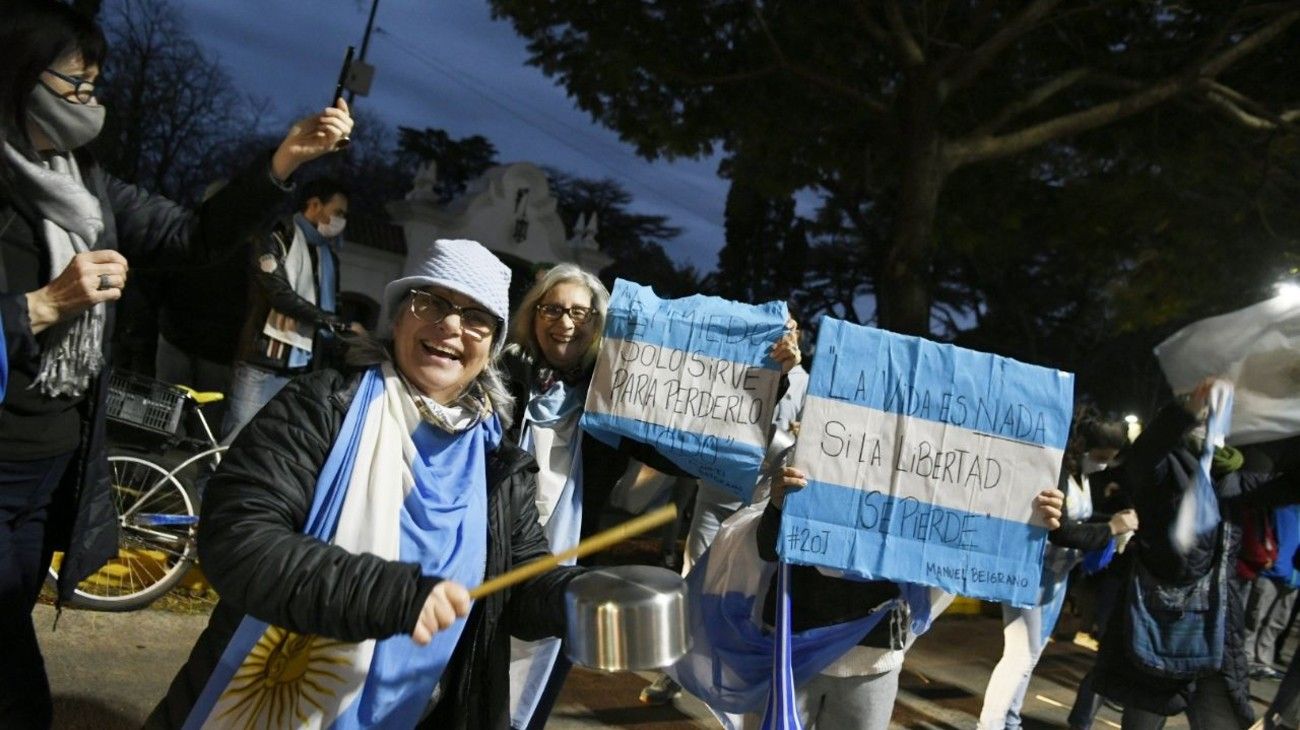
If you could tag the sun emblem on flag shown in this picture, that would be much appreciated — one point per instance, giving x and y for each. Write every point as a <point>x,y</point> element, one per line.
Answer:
<point>286,679</point>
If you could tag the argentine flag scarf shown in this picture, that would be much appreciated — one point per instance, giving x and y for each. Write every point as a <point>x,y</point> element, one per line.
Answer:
<point>550,425</point>
<point>396,486</point>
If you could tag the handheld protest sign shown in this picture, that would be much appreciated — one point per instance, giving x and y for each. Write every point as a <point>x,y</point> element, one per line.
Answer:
<point>923,460</point>
<point>692,377</point>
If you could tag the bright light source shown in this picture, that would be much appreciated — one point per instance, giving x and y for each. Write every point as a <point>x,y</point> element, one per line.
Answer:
<point>1134,427</point>
<point>1288,291</point>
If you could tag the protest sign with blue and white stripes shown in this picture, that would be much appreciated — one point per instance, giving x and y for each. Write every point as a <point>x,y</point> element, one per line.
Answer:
<point>923,460</point>
<point>692,377</point>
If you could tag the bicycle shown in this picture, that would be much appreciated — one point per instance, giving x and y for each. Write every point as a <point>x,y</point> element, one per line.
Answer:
<point>157,508</point>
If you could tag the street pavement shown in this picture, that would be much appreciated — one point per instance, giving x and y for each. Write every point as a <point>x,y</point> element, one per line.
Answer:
<point>108,670</point>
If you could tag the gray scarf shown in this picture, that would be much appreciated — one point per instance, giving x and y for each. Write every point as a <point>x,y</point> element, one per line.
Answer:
<point>72,352</point>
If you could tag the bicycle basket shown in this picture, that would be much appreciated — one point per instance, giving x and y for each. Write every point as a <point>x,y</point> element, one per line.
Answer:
<point>144,403</point>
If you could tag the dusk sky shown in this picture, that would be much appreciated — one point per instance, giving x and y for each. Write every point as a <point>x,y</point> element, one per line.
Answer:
<point>447,64</point>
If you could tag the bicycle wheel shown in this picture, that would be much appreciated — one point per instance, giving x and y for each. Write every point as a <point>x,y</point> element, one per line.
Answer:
<point>158,521</point>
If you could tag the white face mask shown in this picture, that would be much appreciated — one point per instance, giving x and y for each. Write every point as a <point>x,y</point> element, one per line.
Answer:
<point>333,227</point>
<point>1089,465</point>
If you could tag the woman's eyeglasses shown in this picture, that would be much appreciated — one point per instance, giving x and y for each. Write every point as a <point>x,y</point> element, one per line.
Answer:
<point>82,90</point>
<point>431,308</point>
<point>578,314</point>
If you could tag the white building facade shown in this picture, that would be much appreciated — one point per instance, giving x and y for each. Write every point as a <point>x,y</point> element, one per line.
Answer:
<point>510,210</point>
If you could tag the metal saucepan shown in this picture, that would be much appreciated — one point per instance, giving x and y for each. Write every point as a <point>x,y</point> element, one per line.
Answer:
<point>627,617</point>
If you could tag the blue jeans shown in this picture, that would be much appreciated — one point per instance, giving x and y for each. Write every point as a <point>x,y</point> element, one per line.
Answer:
<point>251,388</point>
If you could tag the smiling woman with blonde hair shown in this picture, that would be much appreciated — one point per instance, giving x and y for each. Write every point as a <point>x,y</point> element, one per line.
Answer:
<point>548,338</point>
<point>548,366</point>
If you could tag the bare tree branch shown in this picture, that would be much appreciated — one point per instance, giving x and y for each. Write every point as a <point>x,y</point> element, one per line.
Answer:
<point>978,148</point>
<point>1032,99</point>
<point>910,50</point>
<point>983,56</point>
<point>1111,81</point>
<point>1246,111</point>
<point>965,151</point>
<point>1237,114</point>
<point>1249,44</point>
<point>980,17</point>
<point>830,84</point>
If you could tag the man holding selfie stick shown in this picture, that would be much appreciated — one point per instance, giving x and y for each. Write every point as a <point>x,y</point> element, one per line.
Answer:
<point>292,320</point>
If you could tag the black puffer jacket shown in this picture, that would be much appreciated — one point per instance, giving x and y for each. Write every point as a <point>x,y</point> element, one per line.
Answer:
<point>148,230</point>
<point>253,550</point>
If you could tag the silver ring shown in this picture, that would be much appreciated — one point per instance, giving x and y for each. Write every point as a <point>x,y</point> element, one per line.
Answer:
<point>105,282</point>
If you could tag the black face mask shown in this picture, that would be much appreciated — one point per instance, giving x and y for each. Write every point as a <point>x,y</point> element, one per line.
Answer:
<point>68,125</point>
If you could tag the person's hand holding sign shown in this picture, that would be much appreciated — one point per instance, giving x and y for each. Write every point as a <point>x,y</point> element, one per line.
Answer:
<point>791,480</point>
<point>786,349</point>
<point>1048,505</point>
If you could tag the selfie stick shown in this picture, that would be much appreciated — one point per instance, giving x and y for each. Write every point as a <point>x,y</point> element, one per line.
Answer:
<point>338,90</point>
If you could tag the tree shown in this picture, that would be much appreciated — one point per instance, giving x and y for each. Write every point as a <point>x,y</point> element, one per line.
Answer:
<point>881,104</point>
<point>634,240</point>
<point>766,251</point>
<point>373,167</point>
<point>1161,221</point>
<point>460,161</point>
<point>176,115</point>
<point>89,7</point>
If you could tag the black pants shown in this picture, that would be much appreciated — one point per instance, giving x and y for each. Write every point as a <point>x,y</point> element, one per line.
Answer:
<point>1086,703</point>
<point>1283,712</point>
<point>26,489</point>
<point>1209,708</point>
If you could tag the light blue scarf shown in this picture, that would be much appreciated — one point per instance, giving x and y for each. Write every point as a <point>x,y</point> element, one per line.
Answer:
<point>534,662</point>
<point>299,358</point>
<point>418,495</point>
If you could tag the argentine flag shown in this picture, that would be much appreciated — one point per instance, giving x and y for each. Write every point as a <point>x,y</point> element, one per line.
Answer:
<point>923,460</point>
<point>692,377</point>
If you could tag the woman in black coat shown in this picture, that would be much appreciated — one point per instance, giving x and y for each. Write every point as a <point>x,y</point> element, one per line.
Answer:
<point>348,517</point>
<point>68,236</point>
